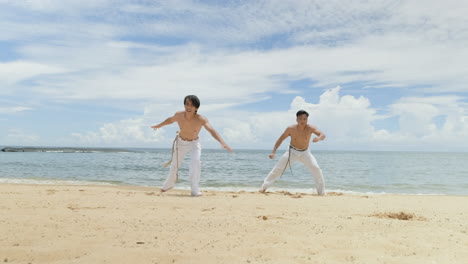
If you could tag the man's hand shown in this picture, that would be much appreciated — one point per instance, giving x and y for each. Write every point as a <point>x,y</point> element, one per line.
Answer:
<point>227,148</point>
<point>271,156</point>
<point>316,139</point>
<point>155,127</point>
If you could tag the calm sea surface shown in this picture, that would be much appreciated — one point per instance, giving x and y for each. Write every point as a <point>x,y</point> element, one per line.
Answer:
<point>359,172</point>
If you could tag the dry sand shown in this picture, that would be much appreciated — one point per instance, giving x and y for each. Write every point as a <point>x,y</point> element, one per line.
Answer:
<point>101,224</point>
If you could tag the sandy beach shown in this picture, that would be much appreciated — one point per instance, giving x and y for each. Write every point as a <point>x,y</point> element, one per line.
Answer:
<point>110,224</point>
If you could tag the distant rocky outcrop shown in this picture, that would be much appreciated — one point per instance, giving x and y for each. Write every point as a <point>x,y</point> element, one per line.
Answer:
<point>62,149</point>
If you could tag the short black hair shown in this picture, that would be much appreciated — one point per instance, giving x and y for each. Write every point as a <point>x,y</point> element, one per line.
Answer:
<point>194,99</point>
<point>302,112</point>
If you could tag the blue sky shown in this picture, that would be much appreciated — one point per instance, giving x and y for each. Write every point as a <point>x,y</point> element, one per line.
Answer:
<point>374,75</point>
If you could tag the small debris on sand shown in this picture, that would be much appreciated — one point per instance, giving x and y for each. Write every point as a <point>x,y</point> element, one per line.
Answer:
<point>399,216</point>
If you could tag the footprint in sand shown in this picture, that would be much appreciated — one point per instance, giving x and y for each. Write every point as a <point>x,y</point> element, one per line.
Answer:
<point>292,195</point>
<point>399,216</point>
<point>264,217</point>
<point>334,194</point>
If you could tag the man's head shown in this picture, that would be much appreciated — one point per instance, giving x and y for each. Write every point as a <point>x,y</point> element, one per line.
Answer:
<point>191,103</point>
<point>301,117</point>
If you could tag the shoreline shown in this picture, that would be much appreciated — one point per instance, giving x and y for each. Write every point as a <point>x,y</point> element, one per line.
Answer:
<point>307,191</point>
<point>126,224</point>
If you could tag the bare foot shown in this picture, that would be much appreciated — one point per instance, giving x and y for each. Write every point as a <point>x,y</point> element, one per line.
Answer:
<point>162,190</point>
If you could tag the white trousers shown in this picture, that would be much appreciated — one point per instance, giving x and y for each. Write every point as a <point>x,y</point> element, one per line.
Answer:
<point>303,156</point>
<point>181,149</point>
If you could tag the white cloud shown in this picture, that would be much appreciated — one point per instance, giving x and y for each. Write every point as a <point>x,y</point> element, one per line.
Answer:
<point>132,132</point>
<point>57,5</point>
<point>127,132</point>
<point>345,118</point>
<point>347,121</point>
<point>417,119</point>
<point>12,72</point>
<point>251,21</point>
<point>13,109</point>
<point>212,77</point>
<point>340,117</point>
<point>389,45</point>
<point>239,133</point>
<point>114,74</point>
<point>20,137</point>
<point>245,52</point>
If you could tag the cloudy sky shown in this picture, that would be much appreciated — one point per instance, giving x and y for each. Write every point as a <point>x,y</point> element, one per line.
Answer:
<point>374,75</point>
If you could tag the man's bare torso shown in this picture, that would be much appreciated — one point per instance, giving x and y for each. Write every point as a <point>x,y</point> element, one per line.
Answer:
<point>300,136</point>
<point>189,126</point>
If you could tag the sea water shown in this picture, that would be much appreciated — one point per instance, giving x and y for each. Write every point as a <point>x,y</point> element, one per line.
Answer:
<point>344,171</point>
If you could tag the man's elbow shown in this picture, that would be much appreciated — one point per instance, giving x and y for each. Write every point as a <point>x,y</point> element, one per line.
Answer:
<point>213,133</point>
<point>169,121</point>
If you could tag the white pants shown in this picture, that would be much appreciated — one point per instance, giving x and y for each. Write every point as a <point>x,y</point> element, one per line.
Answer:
<point>303,156</point>
<point>181,149</point>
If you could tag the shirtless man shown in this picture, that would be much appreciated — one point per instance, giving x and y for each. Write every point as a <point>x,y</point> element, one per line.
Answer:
<point>298,151</point>
<point>187,140</point>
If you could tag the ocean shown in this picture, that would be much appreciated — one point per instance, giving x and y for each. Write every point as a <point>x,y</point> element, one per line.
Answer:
<point>363,172</point>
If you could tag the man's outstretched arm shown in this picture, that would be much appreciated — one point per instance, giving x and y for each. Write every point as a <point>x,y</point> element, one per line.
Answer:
<point>216,135</point>
<point>166,122</point>
<point>278,143</point>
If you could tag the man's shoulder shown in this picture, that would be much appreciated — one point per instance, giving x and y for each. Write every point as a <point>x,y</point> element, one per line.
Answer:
<point>291,128</point>
<point>311,127</point>
<point>178,115</point>
<point>202,118</point>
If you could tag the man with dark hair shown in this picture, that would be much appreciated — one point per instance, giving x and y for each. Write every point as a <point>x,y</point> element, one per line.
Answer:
<point>300,134</point>
<point>194,100</point>
<point>187,140</point>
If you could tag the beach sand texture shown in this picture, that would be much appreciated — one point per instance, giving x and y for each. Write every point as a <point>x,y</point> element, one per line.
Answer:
<point>108,224</point>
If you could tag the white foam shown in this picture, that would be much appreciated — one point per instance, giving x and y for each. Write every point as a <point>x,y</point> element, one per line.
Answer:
<point>297,190</point>
<point>50,182</point>
<point>216,189</point>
